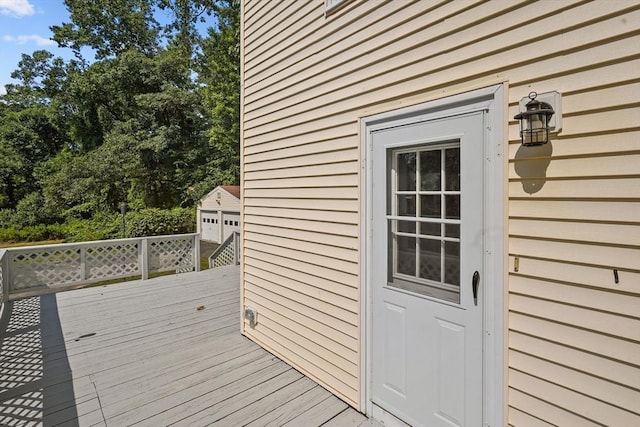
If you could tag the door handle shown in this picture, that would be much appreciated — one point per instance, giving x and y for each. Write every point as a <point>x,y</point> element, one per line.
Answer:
<point>475,282</point>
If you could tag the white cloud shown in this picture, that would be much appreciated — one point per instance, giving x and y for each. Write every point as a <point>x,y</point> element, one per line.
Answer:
<point>3,91</point>
<point>16,7</point>
<point>32,38</point>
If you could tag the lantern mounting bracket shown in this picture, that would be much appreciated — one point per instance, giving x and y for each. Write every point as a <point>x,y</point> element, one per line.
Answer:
<point>535,119</point>
<point>554,99</point>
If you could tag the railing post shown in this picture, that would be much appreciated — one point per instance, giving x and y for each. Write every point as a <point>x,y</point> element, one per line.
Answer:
<point>196,252</point>
<point>144,258</point>
<point>4,279</point>
<point>83,263</point>
<point>236,247</point>
<point>6,275</point>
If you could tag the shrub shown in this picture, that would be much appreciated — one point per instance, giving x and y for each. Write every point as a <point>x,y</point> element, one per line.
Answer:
<point>99,227</point>
<point>34,233</point>
<point>11,235</point>
<point>157,222</point>
<point>147,222</point>
<point>7,218</point>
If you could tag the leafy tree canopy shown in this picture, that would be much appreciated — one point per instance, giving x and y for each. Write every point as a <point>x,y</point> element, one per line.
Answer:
<point>152,120</point>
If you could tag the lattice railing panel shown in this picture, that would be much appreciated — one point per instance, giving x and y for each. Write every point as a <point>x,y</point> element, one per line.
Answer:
<point>70,264</point>
<point>44,267</point>
<point>105,261</point>
<point>225,257</point>
<point>228,253</point>
<point>170,254</point>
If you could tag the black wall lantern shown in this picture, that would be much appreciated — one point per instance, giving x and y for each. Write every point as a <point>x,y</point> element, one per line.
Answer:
<point>535,121</point>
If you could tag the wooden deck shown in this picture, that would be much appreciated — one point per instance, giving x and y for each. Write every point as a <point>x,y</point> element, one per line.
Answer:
<point>142,353</point>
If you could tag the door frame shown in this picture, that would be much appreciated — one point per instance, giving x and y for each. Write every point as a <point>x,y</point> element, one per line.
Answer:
<point>492,100</point>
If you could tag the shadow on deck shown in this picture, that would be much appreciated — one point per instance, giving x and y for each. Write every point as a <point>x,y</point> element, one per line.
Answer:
<point>165,351</point>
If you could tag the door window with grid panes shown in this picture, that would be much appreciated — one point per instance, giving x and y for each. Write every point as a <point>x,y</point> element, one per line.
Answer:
<point>423,215</point>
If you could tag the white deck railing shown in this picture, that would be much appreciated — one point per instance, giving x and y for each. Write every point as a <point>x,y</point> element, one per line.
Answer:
<point>37,269</point>
<point>228,253</point>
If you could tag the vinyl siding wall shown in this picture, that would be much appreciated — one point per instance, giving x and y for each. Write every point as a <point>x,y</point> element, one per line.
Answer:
<point>574,204</point>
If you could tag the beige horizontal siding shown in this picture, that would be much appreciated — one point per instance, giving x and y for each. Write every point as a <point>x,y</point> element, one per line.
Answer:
<point>401,61</point>
<point>305,193</point>
<point>313,215</point>
<point>569,377</point>
<point>342,168</point>
<point>339,361</point>
<point>311,159</point>
<point>289,49</point>
<point>300,224</point>
<point>339,341</point>
<point>583,188</point>
<point>576,406</point>
<point>326,314</point>
<point>597,166</point>
<point>296,17</point>
<point>331,241</point>
<point>604,234</point>
<point>307,362</point>
<point>604,345</point>
<point>609,303</point>
<point>306,204</point>
<point>574,332</point>
<point>574,208</point>
<point>582,317</point>
<point>341,285</point>
<point>330,253</point>
<point>559,416</point>
<point>257,15</point>
<point>617,141</point>
<point>576,252</point>
<point>340,130</point>
<point>323,146</point>
<point>600,367</point>
<point>587,275</point>
<point>343,180</point>
<point>584,210</point>
<point>338,358</point>
<point>299,260</point>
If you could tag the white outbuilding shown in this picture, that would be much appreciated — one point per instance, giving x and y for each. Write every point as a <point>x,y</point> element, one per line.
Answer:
<point>219,213</point>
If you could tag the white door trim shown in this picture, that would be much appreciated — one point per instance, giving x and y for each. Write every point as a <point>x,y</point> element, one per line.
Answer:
<point>492,100</point>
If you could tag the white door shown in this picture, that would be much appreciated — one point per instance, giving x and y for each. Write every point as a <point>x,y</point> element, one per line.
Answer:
<point>427,247</point>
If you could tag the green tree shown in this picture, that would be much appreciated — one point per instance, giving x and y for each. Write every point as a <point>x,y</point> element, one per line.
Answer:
<point>152,119</point>
<point>219,74</point>
<point>32,123</point>
<point>41,78</point>
<point>140,126</point>
<point>109,28</point>
<point>181,31</point>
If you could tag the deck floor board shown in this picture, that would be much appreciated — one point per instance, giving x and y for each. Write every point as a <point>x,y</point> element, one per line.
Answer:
<point>142,353</point>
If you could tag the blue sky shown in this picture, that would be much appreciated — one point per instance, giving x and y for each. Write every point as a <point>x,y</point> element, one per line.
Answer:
<point>24,28</point>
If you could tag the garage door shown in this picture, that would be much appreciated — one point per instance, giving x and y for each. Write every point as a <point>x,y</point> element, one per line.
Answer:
<point>210,226</point>
<point>231,223</point>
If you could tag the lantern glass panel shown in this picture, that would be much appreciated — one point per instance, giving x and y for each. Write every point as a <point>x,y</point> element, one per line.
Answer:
<point>535,130</point>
